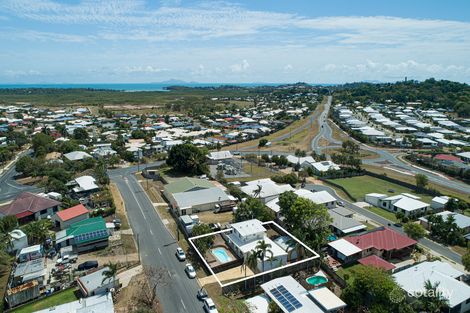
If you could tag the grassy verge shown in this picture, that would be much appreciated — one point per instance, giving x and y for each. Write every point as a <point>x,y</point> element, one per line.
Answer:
<point>347,273</point>
<point>225,304</point>
<point>359,186</point>
<point>4,275</point>
<point>62,297</point>
<point>120,206</point>
<point>384,213</point>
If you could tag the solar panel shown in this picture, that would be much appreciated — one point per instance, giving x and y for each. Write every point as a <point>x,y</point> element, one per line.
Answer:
<point>98,234</point>
<point>285,298</point>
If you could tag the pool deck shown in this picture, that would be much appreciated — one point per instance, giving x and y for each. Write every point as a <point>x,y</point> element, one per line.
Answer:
<point>219,242</point>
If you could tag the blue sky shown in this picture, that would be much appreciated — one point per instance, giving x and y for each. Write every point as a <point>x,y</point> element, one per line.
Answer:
<point>334,41</point>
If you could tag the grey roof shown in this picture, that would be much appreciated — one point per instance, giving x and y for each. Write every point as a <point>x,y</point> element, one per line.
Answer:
<point>31,269</point>
<point>94,280</point>
<point>342,211</point>
<point>101,303</point>
<point>198,197</point>
<point>345,224</point>
<point>76,155</point>
<point>461,220</point>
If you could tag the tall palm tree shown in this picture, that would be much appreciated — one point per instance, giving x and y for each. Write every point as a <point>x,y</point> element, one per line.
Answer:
<point>110,272</point>
<point>262,250</point>
<point>251,260</point>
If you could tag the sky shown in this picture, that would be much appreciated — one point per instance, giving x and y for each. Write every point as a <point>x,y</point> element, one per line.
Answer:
<point>272,41</point>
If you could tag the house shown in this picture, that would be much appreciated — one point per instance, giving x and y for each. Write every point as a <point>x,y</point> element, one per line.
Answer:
<point>83,185</point>
<point>103,152</point>
<point>77,156</point>
<point>265,189</point>
<point>382,242</point>
<point>405,203</point>
<point>102,303</point>
<point>304,162</point>
<point>462,221</point>
<point>18,240</point>
<point>244,237</point>
<point>33,270</point>
<point>343,224</point>
<point>449,281</point>
<point>63,219</point>
<point>186,184</point>
<point>219,156</point>
<point>378,262</point>
<point>85,235</point>
<point>30,253</point>
<point>465,156</point>
<point>95,284</point>
<point>291,297</point>
<point>324,166</point>
<point>438,203</point>
<point>30,207</point>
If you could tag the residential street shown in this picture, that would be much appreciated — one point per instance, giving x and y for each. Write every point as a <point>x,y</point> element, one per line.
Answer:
<point>157,246</point>
<point>379,219</point>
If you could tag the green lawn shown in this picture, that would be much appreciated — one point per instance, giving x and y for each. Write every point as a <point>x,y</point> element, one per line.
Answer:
<point>384,213</point>
<point>359,186</point>
<point>62,297</point>
<point>349,270</point>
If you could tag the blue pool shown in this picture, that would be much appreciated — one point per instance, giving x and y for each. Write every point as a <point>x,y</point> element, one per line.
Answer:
<point>221,255</point>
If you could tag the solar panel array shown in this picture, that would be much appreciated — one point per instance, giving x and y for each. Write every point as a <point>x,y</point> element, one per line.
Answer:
<point>288,301</point>
<point>94,235</point>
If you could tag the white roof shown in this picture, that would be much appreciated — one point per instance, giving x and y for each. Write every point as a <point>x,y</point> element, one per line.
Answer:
<point>344,247</point>
<point>441,200</point>
<point>319,197</point>
<point>268,188</point>
<point>409,204</point>
<point>199,197</point>
<point>327,299</point>
<point>296,290</point>
<point>30,249</point>
<point>220,155</point>
<point>324,166</point>
<point>258,304</point>
<point>85,183</point>
<point>101,303</point>
<point>412,280</point>
<point>249,227</point>
<point>76,155</point>
<point>293,159</point>
<point>464,155</point>
<point>376,195</point>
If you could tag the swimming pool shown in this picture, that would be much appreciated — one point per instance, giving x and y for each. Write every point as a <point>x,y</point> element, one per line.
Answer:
<point>221,255</point>
<point>316,280</point>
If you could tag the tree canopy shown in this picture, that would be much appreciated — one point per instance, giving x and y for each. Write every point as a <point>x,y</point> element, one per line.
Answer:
<point>187,158</point>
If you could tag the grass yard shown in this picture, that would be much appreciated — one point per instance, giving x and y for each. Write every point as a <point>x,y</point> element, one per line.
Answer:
<point>62,297</point>
<point>359,186</point>
<point>384,213</point>
<point>348,271</point>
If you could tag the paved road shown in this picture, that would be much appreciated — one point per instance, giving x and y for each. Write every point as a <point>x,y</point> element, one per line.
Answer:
<point>325,130</point>
<point>157,246</point>
<point>9,188</point>
<point>440,249</point>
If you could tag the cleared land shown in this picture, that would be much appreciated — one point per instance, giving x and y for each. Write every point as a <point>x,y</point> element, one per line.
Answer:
<point>62,297</point>
<point>359,186</point>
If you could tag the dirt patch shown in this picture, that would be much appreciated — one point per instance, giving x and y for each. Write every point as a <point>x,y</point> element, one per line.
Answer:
<point>211,217</point>
<point>120,206</point>
<point>29,181</point>
<point>126,299</point>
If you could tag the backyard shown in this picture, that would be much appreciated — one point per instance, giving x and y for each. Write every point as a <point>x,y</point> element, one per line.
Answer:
<point>62,297</point>
<point>359,186</point>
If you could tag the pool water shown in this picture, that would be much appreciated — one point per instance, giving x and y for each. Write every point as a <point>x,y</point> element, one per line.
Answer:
<point>221,255</point>
<point>316,280</point>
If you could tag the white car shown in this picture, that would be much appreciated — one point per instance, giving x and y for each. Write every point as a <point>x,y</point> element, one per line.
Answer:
<point>189,269</point>
<point>209,306</point>
<point>180,254</point>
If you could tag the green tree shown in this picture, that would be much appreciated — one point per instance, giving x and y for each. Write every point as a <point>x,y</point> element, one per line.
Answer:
<point>203,244</point>
<point>421,181</point>
<point>23,165</point>
<point>286,200</point>
<point>432,299</point>
<point>110,272</point>
<point>466,260</point>
<point>80,134</point>
<point>263,249</point>
<point>251,260</point>
<point>253,208</point>
<point>42,144</point>
<point>414,230</point>
<point>262,142</point>
<point>374,289</point>
<point>37,231</point>
<point>187,158</point>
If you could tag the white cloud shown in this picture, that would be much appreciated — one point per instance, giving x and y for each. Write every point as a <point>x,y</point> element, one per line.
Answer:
<point>241,67</point>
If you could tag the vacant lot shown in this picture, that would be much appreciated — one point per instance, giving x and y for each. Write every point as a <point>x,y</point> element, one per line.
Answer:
<point>62,297</point>
<point>359,186</point>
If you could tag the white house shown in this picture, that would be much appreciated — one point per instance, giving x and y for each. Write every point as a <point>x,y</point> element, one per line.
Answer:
<point>76,155</point>
<point>374,198</point>
<point>324,166</point>
<point>457,293</point>
<point>438,203</point>
<point>304,162</point>
<point>101,303</point>
<point>265,189</point>
<point>319,197</point>
<point>244,238</point>
<point>18,239</point>
<point>84,184</point>
<point>405,203</point>
<point>218,156</point>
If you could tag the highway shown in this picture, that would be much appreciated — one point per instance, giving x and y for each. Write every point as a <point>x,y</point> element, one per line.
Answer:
<point>156,245</point>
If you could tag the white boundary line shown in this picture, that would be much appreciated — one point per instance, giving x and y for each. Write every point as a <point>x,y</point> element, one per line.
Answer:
<point>315,255</point>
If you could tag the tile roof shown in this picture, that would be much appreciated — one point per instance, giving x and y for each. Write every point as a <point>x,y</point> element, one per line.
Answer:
<point>381,238</point>
<point>72,212</point>
<point>447,157</point>
<point>27,204</point>
<point>375,261</point>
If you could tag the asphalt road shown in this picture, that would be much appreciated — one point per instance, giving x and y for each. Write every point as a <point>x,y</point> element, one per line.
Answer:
<point>325,130</point>
<point>156,246</point>
<point>440,249</point>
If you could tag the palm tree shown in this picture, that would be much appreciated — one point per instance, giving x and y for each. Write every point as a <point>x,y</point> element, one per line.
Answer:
<point>257,192</point>
<point>110,272</point>
<point>432,300</point>
<point>251,260</point>
<point>262,250</point>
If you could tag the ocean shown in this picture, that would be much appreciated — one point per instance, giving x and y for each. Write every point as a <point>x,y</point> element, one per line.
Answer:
<point>132,86</point>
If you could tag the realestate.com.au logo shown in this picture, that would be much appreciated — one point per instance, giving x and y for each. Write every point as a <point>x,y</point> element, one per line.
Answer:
<point>397,295</point>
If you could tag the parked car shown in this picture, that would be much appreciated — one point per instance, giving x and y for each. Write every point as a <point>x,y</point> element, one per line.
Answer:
<point>189,269</point>
<point>202,294</point>
<point>180,254</point>
<point>209,306</point>
<point>340,203</point>
<point>87,265</point>
<point>398,224</point>
<point>67,259</point>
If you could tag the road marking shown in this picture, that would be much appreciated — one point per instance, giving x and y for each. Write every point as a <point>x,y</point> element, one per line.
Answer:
<point>183,303</point>
<point>151,232</point>
<point>169,273</point>
<point>159,251</point>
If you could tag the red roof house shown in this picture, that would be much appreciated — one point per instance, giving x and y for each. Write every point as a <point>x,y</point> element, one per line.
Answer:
<point>29,206</point>
<point>375,261</point>
<point>65,218</point>
<point>384,242</point>
<point>447,157</point>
